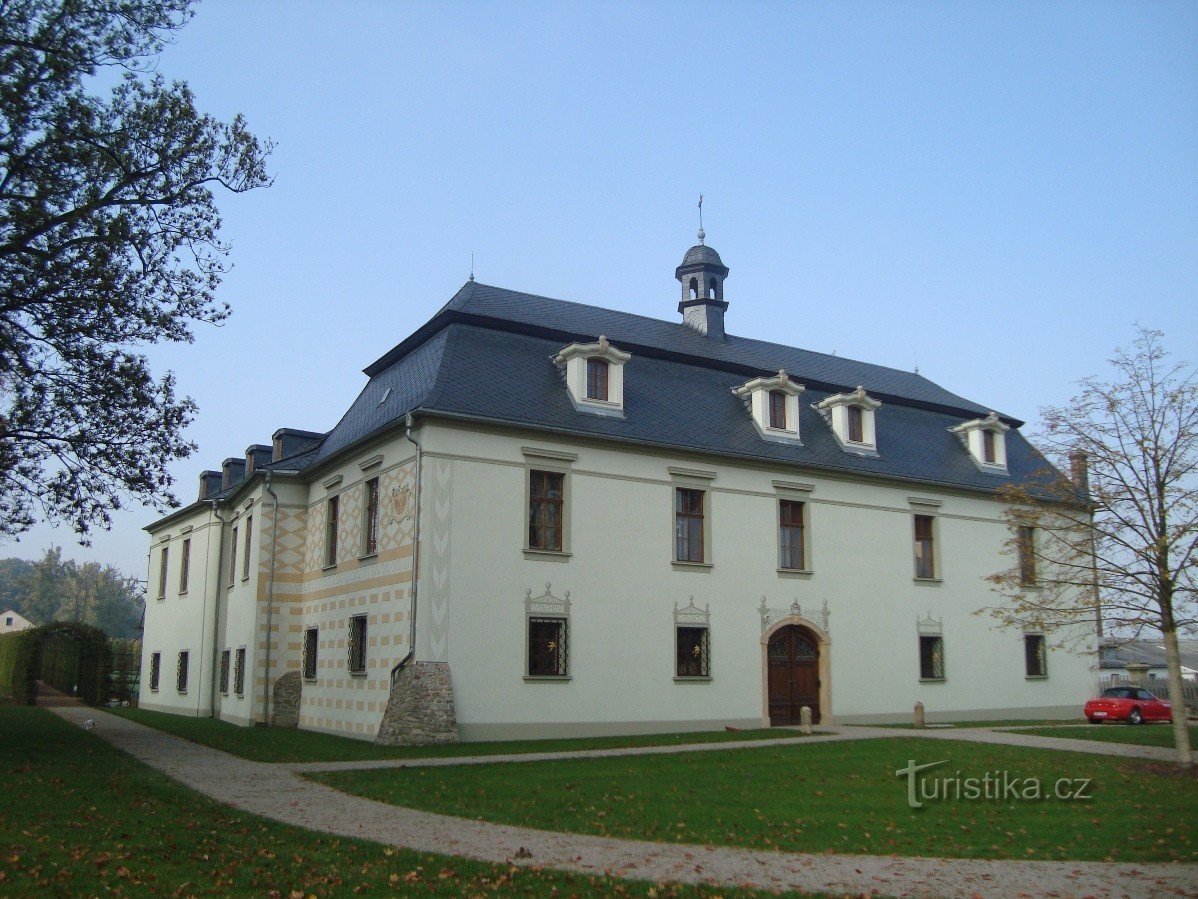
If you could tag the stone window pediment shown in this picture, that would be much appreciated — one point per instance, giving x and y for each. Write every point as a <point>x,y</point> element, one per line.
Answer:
<point>773,403</point>
<point>851,417</point>
<point>985,441</point>
<point>594,376</point>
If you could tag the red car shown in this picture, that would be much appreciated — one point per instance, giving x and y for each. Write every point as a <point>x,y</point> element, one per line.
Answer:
<point>1131,704</point>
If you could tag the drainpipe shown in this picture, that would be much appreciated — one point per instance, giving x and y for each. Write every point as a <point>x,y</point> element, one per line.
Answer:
<point>407,432</point>
<point>270,591</point>
<point>220,562</point>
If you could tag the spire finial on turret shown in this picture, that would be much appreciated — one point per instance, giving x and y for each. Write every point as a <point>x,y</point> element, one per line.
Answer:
<point>702,233</point>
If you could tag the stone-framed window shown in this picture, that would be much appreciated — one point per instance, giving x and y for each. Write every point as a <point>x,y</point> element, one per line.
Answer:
<point>332,514</point>
<point>547,630</point>
<point>594,376</point>
<point>233,556</point>
<point>1035,655</point>
<point>370,529</point>
<point>181,671</point>
<point>311,646</point>
<point>690,514</point>
<point>773,404</point>
<point>986,442</point>
<point>239,671</point>
<point>925,546</point>
<point>792,537</point>
<point>155,670</point>
<point>597,372</point>
<point>851,417</point>
<point>249,542</point>
<point>164,557</point>
<point>357,644</point>
<point>931,648</point>
<point>185,566</point>
<point>224,672</point>
<point>546,510</point>
<point>1025,545</point>
<point>692,642</point>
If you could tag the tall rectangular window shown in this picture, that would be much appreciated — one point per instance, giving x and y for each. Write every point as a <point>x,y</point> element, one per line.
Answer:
<point>1026,541</point>
<point>548,648</point>
<point>597,379</point>
<point>181,672</point>
<point>370,534</point>
<point>357,644</point>
<point>233,557</point>
<point>688,525</point>
<point>162,573</point>
<point>989,454</point>
<point>778,410</point>
<point>245,561</point>
<point>239,672</point>
<point>155,670</point>
<point>856,428</point>
<point>311,642</point>
<point>224,672</point>
<point>332,510</point>
<point>1035,655</point>
<point>185,566</point>
<point>790,535</point>
<point>931,658</point>
<point>925,563</point>
<point>546,492</point>
<point>692,652</point>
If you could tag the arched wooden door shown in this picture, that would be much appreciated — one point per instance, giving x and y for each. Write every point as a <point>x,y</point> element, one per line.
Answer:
<point>793,677</point>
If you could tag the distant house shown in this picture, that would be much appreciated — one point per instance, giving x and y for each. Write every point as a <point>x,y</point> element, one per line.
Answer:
<point>1113,659</point>
<point>12,620</point>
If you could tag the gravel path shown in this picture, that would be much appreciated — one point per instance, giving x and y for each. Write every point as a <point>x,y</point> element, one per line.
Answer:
<point>278,792</point>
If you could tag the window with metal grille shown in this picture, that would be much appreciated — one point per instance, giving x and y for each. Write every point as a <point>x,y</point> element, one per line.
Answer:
<point>778,410</point>
<point>162,574</point>
<point>311,636</point>
<point>925,564</point>
<point>155,670</point>
<point>597,379</point>
<point>693,655</point>
<point>357,644</point>
<point>931,658</point>
<point>546,493</point>
<point>688,525</point>
<point>790,535</point>
<point>181,672</point>
<point>185,566</point>
<point>332,510</point>
<point>370,543</point>
<point>856,427</point>
<point>224,672</point>
<point>1026,542</point>
<point>1035,654</point>
<point>239,672</point>
<point>548,647</point>
<point>245,562</point>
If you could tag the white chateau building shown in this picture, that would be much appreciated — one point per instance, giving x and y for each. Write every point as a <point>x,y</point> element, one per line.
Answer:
<point>546,518</point>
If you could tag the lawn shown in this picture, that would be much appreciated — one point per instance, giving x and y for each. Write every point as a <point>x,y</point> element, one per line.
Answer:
<point>80,818</point>
<point>1144,735</point>
<point>269,744</point>
<point>841,797</point>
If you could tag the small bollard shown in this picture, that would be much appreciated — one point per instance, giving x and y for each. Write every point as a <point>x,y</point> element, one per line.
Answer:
<point>805,719</point>
<point>919,714</point>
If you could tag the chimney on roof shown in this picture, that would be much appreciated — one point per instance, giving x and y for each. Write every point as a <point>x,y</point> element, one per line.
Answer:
<point>257,455</point>
<point>232,473</point>
<point>702,275</point>
<point>1079,470</point>
<point>210,482</point>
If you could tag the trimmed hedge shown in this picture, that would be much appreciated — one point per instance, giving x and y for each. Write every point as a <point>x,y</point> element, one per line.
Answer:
<point>21,660</point>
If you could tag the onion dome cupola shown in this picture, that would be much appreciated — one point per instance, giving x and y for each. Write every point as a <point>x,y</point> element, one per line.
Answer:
<point>702,275</point>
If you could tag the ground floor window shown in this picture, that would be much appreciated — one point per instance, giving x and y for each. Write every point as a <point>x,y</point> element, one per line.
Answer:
<point>357,644</point>
<point>693,657</point>
<point>155,670</point>
<point>1035,655</point>
<point>310,644</point>
<point>548,647</point>
<point>181,672</point>
<point>239,672</point>
<point>931,658</point>
<point>224,672</point>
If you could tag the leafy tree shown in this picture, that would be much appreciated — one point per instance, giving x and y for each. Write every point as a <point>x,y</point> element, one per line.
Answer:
<point>54,589</point>
<point>1127,556</point>
<point>109,241</point>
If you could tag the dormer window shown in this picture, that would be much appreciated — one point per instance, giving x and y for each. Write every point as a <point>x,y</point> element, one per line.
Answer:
<point>774,405</point>
<point>851,416</point>
<point>985,439</point>
<point>594,376</point>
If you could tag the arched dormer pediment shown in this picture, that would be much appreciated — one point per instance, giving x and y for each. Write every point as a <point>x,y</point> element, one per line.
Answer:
<point>774,404</point>
<point>851,417</point>
<point>594,376</point>
<point>986,442</point>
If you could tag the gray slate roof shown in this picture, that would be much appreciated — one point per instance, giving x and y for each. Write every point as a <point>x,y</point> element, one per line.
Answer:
<point>487,355</point>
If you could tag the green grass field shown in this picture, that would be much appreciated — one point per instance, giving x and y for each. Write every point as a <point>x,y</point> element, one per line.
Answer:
<point>841,797</point>
<point>79,818</point>
<point>1144,735</point>
<point>268,744</point>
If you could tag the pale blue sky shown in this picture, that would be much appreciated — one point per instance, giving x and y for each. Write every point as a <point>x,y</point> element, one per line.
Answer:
<point>997,191</point>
